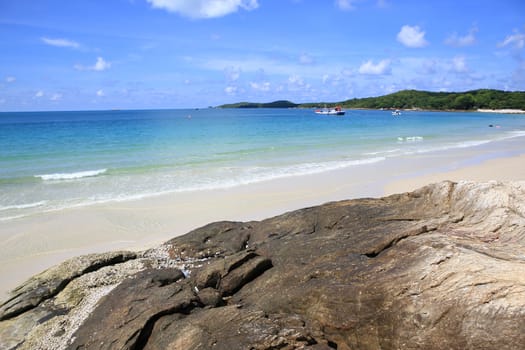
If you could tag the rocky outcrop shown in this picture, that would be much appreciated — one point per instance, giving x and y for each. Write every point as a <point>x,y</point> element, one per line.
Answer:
<point>439,268</point>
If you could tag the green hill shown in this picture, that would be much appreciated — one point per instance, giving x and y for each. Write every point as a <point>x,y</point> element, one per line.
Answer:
<point>469,100</point>
<point>415,99</point>
<point>275,104</point>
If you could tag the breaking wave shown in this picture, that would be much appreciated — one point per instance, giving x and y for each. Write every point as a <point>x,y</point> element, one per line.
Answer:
<point>72,176</point>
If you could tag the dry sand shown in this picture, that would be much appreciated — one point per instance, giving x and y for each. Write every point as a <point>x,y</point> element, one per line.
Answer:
<point>32,244</point>
<point>501,169</point>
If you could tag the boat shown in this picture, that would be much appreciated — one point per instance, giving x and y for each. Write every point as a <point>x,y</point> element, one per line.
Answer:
<point>396,112</point>
<point>330,111</point>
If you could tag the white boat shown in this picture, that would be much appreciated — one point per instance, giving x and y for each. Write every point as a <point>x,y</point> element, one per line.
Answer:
<point>330,111</point>
<point>396,112</point>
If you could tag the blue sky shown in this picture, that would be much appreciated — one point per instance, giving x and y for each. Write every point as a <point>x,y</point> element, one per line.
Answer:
<point>134,54</point>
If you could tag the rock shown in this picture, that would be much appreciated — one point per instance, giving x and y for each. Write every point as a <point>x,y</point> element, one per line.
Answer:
<point>232,273</point>
<point>82,282</point>
<point>123,318</point>
<point>209,297</point>
<point>52,281</point>
<point>440,267</point>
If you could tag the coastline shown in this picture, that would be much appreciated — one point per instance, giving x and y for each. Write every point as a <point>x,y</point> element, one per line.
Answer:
<point>503,111</point>
<point>32,244</point>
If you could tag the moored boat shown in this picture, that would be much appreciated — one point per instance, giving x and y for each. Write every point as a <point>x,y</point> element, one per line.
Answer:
<point>330,111</point>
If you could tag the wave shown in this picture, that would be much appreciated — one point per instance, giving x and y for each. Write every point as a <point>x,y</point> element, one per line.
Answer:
<point>72,176</point>
<point>410,139</point>
<point>261,174</point>
<point>23,206</point>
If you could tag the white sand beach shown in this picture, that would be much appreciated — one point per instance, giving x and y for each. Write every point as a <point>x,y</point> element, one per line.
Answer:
<point>32,244</point>
<point>504,111</point>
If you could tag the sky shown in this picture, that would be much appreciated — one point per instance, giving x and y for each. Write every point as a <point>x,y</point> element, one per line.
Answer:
<point>148,54</point>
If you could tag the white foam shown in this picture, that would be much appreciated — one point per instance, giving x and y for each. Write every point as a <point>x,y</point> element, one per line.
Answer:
<point>390,151</point>
<point>23,206</point>
<point>260,174</point>
<point>72,176</point>
<point>410,139</point>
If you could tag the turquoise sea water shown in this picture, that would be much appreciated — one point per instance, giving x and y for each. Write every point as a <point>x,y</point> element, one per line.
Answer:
<point>55,160</point>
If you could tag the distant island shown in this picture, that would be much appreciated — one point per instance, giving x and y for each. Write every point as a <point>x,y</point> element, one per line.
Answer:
<point>275,104</point>
<point>485,99</point>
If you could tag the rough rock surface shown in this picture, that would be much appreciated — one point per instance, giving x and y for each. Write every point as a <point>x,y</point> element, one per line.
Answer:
<point>439,268</point>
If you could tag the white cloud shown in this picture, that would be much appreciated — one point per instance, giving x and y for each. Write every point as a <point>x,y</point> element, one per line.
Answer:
<point>383,67</point>
<point>517,40</point>
<point>10,79</point>
<point>264,86</point>
<point>99,66</point>
<point>306,59</point>
<point>412,36</point>
<point>204,8</point>
<point>39,93</point>
<point>383,4</point>
<point>460,41</point>
<point>346,5</point>
<point>296,83</point>
<point>61,43</point>
<point>100,93</point>
<point>459,64</point>
<point>295,80</point>
<point>230,90</point>
<point>56,97</point>
<point>232,73</point>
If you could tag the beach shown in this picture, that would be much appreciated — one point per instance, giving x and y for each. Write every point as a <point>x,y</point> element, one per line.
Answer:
<point>74,183</point>
<point>34,243</point>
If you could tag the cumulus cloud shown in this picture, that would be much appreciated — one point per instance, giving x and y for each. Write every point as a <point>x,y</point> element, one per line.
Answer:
<point>232,73</point>
<point>204,8</point>
<point>516,40</point>
<point>264,86</point>
<point>99,66</point>
<point>383,3</point>
<point>383,67</point>
<point>230,90</point>
<point>10,79</point>
<point>346,5</point>
<point>460,41</point>
<point>296,80</point>
<point>100,93</point>
<point>306,59</point>
<point>61,42</point>
<point>412,36</point>
<point>459,64</point>
<point>39,93</point>
<point>56,97</point>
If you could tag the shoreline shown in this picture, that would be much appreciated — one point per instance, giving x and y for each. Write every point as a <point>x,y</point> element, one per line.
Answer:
<point>502,111</point>
<point>33,244</point>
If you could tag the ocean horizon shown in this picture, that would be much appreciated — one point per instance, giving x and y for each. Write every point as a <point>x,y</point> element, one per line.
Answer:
<point>56,160</point>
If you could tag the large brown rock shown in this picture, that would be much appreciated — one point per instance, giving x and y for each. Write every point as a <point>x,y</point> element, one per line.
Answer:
<point>439,268</point>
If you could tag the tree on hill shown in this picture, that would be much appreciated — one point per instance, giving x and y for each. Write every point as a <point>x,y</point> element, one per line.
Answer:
<point>406,99</point>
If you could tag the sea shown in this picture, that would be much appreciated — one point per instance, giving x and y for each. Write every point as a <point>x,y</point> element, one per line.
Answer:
<point>51,161</point>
